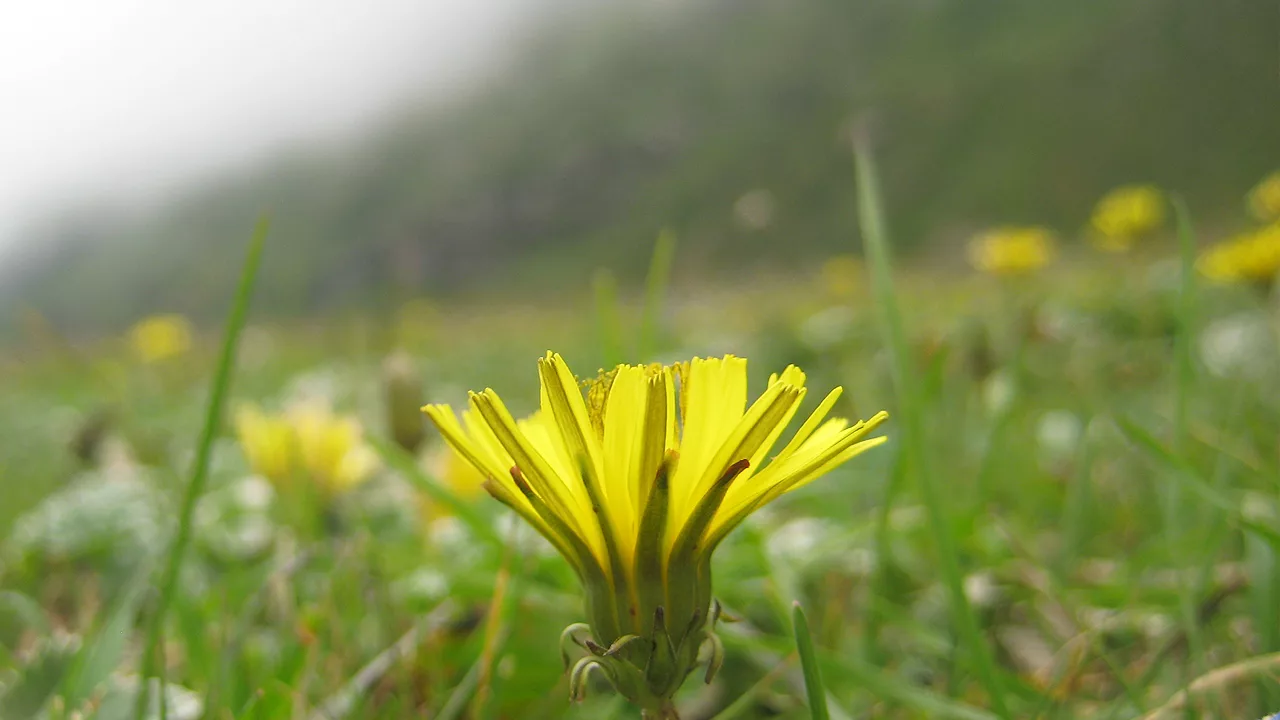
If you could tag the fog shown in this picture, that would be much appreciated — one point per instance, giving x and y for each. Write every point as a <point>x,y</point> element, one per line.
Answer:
<point>119,100</point>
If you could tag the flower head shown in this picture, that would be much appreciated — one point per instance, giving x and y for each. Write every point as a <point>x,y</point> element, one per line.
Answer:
<point>160,337</point>
<point>1264,198</point>
<point>1011,251</point>
<point>309,440</point>
<point>1253,257</point>
<point>331,448</point>
<point>638,481</point>
<point>1126,214</point>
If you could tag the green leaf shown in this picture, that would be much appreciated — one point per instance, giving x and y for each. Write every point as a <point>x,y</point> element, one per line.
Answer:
<point>18,615</point>
<point>36,681</point>
<point>100,657</point>
<point>809,662</point>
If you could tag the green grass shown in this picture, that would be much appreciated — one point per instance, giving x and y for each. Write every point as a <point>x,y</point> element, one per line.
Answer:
<point>1091,544</point>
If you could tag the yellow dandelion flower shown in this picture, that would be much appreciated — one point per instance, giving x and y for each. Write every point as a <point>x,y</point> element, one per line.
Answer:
<point>1125,215</point>
<point>1009,251</point>
<point>1253,257</point>
<point>308,441</point>
<point>331,448</point>
<point>268,443</point>
<point>637,483</point>
<point>1264,198</point>
<point>842,276</point>
<point>160,337</point>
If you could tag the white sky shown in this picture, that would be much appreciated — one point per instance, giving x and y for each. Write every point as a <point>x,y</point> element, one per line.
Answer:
<point>117,99</point>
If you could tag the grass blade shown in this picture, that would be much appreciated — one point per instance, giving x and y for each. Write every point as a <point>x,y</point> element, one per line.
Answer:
<point>1187,476</point>
<point>200,466</point>
<point>926,702</point>
<point>98,659</point>
<point>340,704</point>
<point>809,662</point>
<point>1186,320</point>
<point>1217,680</point>
<point>655,291</point>
<point>608,318</point>
<point>914,446</point>
<point>744,702</point>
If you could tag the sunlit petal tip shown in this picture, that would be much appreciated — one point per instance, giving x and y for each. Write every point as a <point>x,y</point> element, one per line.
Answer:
<point>875,420</point>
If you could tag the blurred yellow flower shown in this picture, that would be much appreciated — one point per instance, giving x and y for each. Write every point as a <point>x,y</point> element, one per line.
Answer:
<point>1264,198</point>
<point>267,443</point>
<point>160,337</point>
<point>331,448</point>
<point>1251,257</point>
<point>455,473</point>
<point>1125,214</point>
<point>461,477</point>
<point>842,276</point>
<point>1012,250</point>
<point>309,440</point>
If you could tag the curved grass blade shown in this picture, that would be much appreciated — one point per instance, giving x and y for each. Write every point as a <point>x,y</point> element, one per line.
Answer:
<point>200,466</point>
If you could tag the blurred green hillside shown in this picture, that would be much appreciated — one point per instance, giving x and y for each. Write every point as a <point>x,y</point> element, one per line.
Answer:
<point>607,128</point>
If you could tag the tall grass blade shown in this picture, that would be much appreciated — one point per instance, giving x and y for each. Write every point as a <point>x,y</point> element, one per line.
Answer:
<point>912,435</point>
<point>809,662</point>
<point>655,292</point>
<point>1187,298</point>
<point>608,317</point>
<point>200,466</point>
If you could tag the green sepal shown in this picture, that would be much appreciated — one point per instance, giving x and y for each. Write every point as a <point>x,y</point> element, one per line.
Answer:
<point>716,660</point>
<point>569,636</point>
<point>652,539</point>
<point>578,678</point>
<point>601,610</point>
<point>686,573</point>
<point>663,673</point>
<point>621,644</point>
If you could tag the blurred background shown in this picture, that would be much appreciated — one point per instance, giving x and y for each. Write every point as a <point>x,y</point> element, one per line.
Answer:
<point>444,148</point>
<point>1077,340</point>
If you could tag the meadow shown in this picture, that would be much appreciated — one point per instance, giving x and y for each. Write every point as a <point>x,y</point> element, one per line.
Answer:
<point>1075,514</point>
